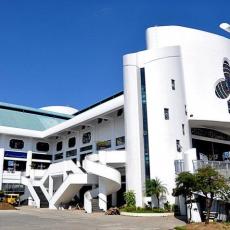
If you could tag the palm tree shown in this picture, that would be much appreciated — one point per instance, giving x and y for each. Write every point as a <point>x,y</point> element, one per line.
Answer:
<point>154,187</point>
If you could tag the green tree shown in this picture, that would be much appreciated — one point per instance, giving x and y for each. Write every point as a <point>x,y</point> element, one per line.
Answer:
<point>155,187</point>
<point>185,186</point>
<point>130,199</point>
<point>211,184</point>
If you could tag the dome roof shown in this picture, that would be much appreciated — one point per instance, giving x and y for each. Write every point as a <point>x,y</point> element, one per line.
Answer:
<point>60,109</point>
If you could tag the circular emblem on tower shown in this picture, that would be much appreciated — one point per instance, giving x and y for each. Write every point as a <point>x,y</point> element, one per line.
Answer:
<point>223,87</point>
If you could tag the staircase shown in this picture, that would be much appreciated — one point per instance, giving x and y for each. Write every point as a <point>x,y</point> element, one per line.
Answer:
<point>43,201</point>
<point>95,205</point>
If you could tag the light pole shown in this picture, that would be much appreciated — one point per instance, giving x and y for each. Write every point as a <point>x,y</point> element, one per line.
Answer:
<point>225,26</point>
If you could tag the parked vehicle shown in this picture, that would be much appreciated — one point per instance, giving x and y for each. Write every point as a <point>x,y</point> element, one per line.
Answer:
<point>12,199</point>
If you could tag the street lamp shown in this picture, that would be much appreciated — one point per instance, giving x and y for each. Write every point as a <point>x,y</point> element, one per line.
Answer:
<point>225,26</point>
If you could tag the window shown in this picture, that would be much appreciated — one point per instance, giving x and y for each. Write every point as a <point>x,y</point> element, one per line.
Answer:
<point>59,146</point>
<point>202,132</point>
<point>178,146</point>
<point>119,112</point>
<point>72,142</point>
<point>99,120</point>
<point>42,146</point>
<point>145,123</point>
<point>58,156</point>
<point>86,138</point>
<point>173,84</point>
<point>185,110</point>
<point>166,113</point>
<point>183,129</point>
<point>85,148</point>
<point>71,153</point>
<point>41,156</point>
<point>103,144</point>
<point>120,141</point>
<point>16,144</point>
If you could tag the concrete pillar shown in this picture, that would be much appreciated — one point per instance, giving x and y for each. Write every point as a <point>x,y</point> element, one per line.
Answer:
<point>113,139</point>
<point>189,156</point>
<point>51,186</point>
<point>114,199</point>
<point>1,166</point>
<point>28,163</point>
<point>102,194</point>
<point>195,214</point>
<point>181,202</point>
<point>134,143</point>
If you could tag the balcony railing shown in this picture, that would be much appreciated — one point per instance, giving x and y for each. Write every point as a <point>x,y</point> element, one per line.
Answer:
<point>179,166</point>
<point>223,167</point>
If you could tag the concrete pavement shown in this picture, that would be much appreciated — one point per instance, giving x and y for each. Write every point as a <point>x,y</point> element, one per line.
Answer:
<point>33,219</point>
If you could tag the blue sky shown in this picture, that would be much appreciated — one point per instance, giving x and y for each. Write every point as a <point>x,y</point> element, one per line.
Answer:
<point>62,52</point>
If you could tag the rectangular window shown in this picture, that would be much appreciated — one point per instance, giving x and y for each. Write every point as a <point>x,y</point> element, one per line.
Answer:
<point>166,113</point>
<point>185,110</point>
<point>183,129</point>
<point>59,146</point>
<point>58,156</point>
<point>71,153</point>
<point>178,146</point>
<point>120,141</point>
<point>41,156</point>
<point>173,84</point>
<point>86,137</point>
<point>103,144</point>
<point>145,123</point>
<point>85,148</point>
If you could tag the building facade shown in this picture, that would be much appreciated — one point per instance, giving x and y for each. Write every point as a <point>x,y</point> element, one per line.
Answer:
<point>174,112</point>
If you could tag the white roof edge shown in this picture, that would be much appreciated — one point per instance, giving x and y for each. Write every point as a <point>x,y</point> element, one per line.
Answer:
<point>86,116</point>
<point>20,132</point>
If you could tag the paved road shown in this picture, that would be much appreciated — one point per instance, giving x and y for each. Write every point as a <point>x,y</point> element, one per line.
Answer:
<point>45,219</point>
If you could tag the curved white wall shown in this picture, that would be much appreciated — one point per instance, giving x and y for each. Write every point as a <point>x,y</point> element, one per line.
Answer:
<point>161,65</point>
<point>202,55</point>
<point>164,133</point>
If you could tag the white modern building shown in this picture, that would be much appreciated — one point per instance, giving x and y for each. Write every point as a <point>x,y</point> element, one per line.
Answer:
<point>173,115</point>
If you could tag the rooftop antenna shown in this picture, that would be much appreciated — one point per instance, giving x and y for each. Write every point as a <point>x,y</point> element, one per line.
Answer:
<point>225,26</point>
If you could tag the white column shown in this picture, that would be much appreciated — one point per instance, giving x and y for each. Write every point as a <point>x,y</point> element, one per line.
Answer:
<point>113,137</point>
<point>28,163</point>
<point>1,166</point>
<point>189,156</point>
<point>102,194</point>
<point>135,168</point>
<point>51,184</point>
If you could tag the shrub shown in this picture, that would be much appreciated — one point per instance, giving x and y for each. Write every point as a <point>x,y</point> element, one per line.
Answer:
<point>142,210</point>
<point>167,207</point>
<point>130,199</point>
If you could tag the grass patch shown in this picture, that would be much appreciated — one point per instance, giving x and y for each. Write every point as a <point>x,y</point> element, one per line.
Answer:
<point>203,226</point>
<point>143,210</point>
<point>180,228</point>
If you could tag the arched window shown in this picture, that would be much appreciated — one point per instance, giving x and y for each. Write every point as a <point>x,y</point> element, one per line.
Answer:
<point>43,146</point>
<point>72,142</point>
<point>16,144</point>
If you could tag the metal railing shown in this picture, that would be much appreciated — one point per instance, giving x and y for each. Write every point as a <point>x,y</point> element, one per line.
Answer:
<point>223,167</point>
<point>179,166</point>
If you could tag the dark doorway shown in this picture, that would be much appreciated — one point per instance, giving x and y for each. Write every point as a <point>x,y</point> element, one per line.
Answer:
<point>82,191</point>
<point>214,151</point>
